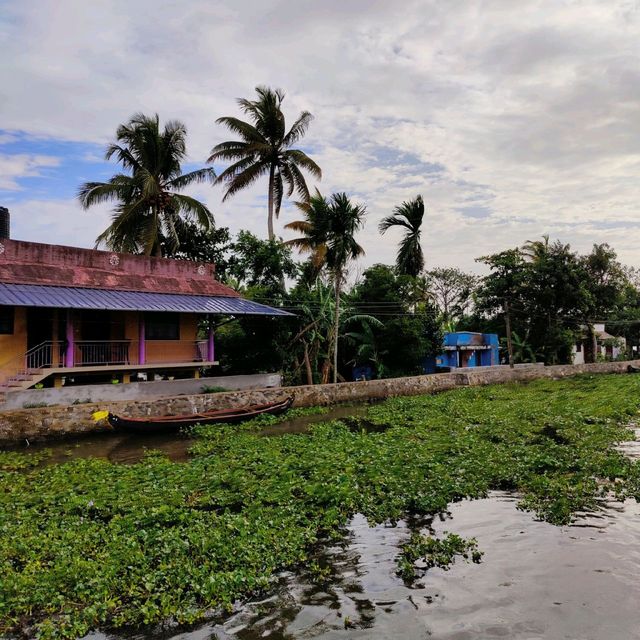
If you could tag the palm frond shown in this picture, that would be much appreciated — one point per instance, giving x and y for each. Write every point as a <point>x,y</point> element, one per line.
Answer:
<point>244,129</point>
<point>198,176</point>
<point>301,159</point>
<point>393,221</point>
<point>192,207</point>
<point>298,129</point>
<point>244,178</point>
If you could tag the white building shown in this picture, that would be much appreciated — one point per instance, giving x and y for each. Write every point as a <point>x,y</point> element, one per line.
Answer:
<point>608,346</point>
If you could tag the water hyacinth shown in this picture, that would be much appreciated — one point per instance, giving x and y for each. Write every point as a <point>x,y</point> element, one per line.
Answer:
<point>88,543</point>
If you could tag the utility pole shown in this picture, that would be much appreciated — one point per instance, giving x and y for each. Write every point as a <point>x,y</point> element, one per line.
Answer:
<point>507,318</point>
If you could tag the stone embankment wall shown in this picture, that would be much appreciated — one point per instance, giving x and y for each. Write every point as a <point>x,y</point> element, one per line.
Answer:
<point>41,423</point>
<point>136,390</point>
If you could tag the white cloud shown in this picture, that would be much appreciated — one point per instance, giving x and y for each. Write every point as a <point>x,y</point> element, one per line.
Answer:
<point>529,108</point>
<point>16,166</point>
<point>57,222</point>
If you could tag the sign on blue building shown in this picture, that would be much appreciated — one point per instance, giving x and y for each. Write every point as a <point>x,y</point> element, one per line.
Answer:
<point>469,349</point>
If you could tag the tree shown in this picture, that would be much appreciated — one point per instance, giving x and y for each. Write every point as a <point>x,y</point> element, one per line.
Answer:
<point>553,294</point>
<point>409,215</point>
<point>204,245</point>
<point>265,148</point>
<point>329,228</point>
<point>409,331</point>
<point>261,263</point>
<point>451,289</point>
<point>149,207</point>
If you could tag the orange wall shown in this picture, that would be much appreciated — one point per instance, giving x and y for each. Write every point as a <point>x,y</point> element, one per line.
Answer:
<point>174,350</point>
<point>183,350</point>
<point>13,346</point>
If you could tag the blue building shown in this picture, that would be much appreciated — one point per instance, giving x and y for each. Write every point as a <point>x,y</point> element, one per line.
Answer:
<point>469,349</point>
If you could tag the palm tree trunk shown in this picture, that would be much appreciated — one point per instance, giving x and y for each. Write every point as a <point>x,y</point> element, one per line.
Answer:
<point>336,329</point>
<point>270,218</point>
<point>307,363</point>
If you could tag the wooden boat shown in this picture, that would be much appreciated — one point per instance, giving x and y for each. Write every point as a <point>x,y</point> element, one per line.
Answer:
<point>174,423</point>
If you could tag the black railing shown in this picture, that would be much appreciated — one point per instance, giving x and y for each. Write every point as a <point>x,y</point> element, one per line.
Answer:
<point>101,352</point>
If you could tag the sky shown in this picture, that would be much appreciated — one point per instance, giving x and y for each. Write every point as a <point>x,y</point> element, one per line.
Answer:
<point>512,119</point>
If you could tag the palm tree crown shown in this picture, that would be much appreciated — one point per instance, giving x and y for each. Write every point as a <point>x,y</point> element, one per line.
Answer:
<point>265,148</point>
<point>328,233</point>
<point>410,258</point>
<point>149,210</point>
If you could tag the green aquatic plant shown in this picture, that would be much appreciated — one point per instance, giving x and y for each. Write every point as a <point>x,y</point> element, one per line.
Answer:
<point>88,543</point>
<point>15,460</point>
<point>435,552</point>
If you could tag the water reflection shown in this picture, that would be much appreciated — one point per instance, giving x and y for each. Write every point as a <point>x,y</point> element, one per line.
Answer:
<point>536,581</point>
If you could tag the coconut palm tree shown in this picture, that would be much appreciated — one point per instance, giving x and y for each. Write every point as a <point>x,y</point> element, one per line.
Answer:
<point>265,148</point>
<point>410,259</point>
<point>149,209</point>
<point>328,234</point>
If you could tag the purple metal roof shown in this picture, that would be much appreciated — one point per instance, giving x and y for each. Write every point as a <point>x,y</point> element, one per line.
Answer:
<point>35,295</point>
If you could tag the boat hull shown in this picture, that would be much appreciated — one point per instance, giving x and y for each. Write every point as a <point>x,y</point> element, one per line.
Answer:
<point>175,423</point>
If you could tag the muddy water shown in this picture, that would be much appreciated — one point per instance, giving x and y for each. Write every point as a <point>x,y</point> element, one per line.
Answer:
<point>128,448</point>
<point>535,581</point>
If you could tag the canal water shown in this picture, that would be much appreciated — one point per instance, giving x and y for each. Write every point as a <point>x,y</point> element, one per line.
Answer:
<point>128,448</point>
<point>536,581</point>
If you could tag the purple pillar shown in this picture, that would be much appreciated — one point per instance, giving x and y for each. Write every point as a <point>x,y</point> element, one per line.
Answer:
<point>210,342</point>
<point>142,346</point>
<point>71,346</point>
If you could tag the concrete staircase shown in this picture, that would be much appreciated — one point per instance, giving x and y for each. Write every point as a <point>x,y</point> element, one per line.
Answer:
<point>29,369</point>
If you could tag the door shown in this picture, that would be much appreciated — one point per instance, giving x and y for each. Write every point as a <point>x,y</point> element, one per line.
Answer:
<point>40,334</point>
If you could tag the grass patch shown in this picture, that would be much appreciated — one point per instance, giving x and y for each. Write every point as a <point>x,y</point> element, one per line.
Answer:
<point>89,543</point>
<point>212,389</point>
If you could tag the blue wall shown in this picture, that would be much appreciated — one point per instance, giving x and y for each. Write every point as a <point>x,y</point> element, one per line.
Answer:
<point>464,354</point>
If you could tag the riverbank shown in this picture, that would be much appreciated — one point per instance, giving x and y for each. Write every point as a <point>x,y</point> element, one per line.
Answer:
<point>41,423</point>
<point>90,544</point>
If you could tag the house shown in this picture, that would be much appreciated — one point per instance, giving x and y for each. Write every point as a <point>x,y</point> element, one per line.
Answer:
<point>469,349</point>
<point>80,315</point>
<point>607,346</point>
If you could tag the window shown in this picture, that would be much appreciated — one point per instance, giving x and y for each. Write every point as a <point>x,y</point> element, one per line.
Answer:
<point>578,347</point>
<point>6,320</point>
<point>162,326</point>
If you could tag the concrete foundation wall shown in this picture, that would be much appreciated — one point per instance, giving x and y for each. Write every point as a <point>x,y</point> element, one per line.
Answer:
<point>58,421</point>
<point>136,390</point>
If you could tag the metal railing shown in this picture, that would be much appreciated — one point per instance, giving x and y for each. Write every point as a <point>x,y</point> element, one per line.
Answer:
<point>101,352</point>
<point>47,354</point>
<point>106,353</point>
<point>202,350</point>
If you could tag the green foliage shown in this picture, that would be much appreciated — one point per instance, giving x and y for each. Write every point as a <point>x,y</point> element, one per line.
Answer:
<point>35,405</point>
<point>265,148</point>
<point>260,263</point>
<point>409,330</point>
<point>553,293</point>
<point>435,552</point>
<point>148,206</point>
<point>14,460</point>
<point>328,232</point>
<point>409,215</point>
<point>204,245</point>
<point>452,292</point>
<point>212,389</point>
<point>89,543</point>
